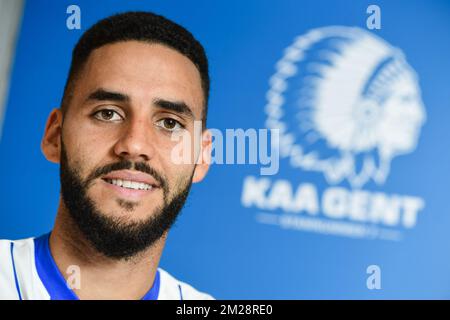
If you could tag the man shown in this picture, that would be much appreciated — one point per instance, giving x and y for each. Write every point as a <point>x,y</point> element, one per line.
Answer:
<point>136,81</point>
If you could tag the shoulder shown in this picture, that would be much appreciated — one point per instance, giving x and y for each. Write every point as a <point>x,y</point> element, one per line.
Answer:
<point>16,249</point>
<point>15,255</point>
<point>174,289</point>
<point>6,262</point>
<point>12,250</point>
<point>21,243</point>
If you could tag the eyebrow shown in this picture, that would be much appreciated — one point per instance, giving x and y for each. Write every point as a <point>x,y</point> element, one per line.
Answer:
<point>176,106</point>
<point>179,107</point>
<point>106,95</point>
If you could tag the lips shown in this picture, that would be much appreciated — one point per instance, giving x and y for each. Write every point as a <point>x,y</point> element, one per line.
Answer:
<point>131,177</point>
<point>130,184</point>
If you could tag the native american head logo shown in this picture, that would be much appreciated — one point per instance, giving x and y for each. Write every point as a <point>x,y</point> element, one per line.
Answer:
<point>346,103</point>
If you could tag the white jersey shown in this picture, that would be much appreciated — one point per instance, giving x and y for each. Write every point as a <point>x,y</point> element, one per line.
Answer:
<point>28,272</point>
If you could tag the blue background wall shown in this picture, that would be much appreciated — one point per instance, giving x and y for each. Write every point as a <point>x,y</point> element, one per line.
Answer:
<point>217,244</point>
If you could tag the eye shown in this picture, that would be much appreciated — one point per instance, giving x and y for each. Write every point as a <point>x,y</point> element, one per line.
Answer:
<point>170,124</point>
<point>108,115</point>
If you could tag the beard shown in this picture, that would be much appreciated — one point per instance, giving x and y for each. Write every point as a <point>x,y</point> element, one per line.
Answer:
<point>112,236</point>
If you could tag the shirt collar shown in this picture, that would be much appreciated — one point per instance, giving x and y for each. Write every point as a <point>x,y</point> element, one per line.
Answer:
<point>54,281</point>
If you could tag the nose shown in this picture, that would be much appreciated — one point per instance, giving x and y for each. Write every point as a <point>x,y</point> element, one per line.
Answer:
<point>135,143</point>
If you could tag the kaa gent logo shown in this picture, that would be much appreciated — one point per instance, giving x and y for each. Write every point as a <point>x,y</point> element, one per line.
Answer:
<point>346,103</point>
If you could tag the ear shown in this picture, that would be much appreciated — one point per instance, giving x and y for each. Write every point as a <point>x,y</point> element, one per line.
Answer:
<point>51,141</point>
<point>204,158</point>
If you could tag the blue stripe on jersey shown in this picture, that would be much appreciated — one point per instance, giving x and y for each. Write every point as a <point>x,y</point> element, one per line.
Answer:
<point>15,273</point>
<point>49,273</point>
<point>54,281</point>
<point>181,294</point>
<point>153,293</point>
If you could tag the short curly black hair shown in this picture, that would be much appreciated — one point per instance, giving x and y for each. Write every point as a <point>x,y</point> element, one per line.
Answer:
<point>140,26</point>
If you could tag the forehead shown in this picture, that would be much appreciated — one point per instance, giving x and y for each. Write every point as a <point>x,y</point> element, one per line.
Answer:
<point>143,71</point>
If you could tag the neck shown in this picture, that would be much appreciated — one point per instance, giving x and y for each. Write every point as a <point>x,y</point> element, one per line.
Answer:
<point>101,277</point>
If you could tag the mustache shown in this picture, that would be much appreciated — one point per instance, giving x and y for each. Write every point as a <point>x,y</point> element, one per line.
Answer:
<point>124,165</point>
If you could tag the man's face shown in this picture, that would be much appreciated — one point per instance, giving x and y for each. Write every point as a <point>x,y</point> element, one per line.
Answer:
<point>128,101</point>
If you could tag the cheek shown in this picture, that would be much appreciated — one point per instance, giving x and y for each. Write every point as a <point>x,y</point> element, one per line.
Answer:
<point>176,173</point>
<point>175,170</point>
<point>85,149</point>
<point>180,181</point>
<point>183,149</point>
